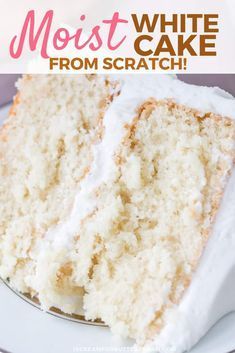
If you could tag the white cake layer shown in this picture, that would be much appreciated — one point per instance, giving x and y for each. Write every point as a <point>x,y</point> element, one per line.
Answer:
<point>213,279</point>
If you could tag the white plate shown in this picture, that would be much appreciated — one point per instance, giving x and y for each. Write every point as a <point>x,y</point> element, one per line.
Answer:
<point>25,329</point>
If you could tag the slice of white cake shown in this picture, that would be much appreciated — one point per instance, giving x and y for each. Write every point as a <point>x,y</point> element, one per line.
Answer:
<point>112,202</point>
<point>153,219</point>
<point>45,152</point>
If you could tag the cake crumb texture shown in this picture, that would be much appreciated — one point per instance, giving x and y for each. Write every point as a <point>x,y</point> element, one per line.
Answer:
<point>147,220</point>
<point>153,220</point>
<point>45,149</point>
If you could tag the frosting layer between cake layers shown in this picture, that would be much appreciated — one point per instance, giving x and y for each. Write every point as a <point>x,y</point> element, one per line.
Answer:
<point>214,278</point>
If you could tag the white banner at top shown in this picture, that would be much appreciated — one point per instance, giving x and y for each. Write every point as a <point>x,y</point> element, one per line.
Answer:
<point>171,36</point>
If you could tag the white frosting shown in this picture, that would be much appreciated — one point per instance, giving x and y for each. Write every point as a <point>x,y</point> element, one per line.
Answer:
<point>213,279</point>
